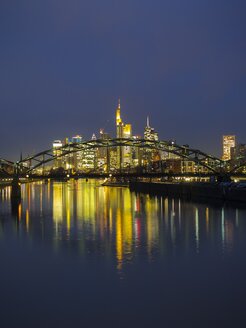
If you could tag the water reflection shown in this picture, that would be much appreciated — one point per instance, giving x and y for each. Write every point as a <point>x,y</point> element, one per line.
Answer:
<point>87,218</point>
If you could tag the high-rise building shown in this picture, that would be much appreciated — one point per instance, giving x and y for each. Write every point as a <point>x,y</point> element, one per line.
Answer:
<point>76,157</point>
<point>127,151</point>
<point>119,123</point>
<point>150,155</point>
<point>57,144</point>
<point>229,141</point>
<point>72,160</point>
<point>149,133</point>
<point>238,156</point>
<point>124,156</point>
<point>103,153</point>
<point>89,158</point>
<point>136,153</point>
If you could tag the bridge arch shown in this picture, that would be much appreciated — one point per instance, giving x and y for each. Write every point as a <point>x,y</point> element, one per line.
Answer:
<point>4,164</point>
<point>238,167</point>
<point>185,152</point>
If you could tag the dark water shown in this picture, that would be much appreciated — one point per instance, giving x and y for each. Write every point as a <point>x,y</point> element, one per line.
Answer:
<point>77,254</point>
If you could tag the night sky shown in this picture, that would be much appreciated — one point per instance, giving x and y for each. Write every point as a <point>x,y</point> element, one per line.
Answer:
<point>63,65</point>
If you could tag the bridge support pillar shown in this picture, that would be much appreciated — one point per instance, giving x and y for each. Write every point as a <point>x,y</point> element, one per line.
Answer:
<point>224,177</point>
<point>16,186</point>
<point>15,189</point>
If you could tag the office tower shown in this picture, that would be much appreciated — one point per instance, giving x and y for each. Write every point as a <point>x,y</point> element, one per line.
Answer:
<point>103,153</point>
<point>150,155</point>
<point>75,159</point>
<point>89,157</point>
<point>136,153</point>
<point>77,139</point>
<point>124,157</point>
<point>57,144</point>
<point>149,133</point>
<point>127,151</point>
<point>119,123</point>
<point>229,141</point>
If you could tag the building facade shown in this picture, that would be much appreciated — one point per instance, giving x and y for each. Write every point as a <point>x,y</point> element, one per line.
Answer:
<point>229,141</point>
<point>124,153</point>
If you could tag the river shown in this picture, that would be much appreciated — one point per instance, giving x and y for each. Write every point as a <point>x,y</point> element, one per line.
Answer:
<point>77,254</point>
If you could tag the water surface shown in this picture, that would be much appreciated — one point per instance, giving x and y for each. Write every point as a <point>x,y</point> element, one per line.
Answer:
<point>76,254</point>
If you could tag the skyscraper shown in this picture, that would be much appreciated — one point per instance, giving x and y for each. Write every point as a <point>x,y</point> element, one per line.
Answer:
<point>229,141</point>
<point>119,123</point>
<point>150,155</point>
<point>89,158</point>
<point>123,131</point>
<point>57,152</point>
<point>149,133</point>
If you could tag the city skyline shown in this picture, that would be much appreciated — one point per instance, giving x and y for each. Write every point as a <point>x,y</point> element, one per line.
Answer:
<point>125,131</point>
<point>129,156</point>
<point>112,133</point>
<point>181,63</point>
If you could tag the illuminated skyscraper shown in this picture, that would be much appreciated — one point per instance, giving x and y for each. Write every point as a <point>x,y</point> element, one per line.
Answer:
<point>103,153</point>
<point>127,151</point>
<point>119,123</point>
<point>229,141</point>
<point>73,160</point>
<point>57,144</point>
<point>124,157</point>
<point>76,157</point>
<point>89,157</point>
<point>149,133</point>
<point>150,155</point>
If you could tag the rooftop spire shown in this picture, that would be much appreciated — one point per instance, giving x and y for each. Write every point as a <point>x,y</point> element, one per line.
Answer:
<point>118,119</point>
<point>147,121</point>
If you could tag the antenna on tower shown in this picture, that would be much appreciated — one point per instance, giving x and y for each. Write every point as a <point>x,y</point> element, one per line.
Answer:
<point>119,103</point>
<point>147,121</point>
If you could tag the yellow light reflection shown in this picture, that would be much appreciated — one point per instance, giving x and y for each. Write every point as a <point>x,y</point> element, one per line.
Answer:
<point>57,204</point>
<point>119,246</point>
<point>152,224</point>
<point>207,219</point>
<point>27,219</point>
<point>19,211</point>
<point>197,229</point>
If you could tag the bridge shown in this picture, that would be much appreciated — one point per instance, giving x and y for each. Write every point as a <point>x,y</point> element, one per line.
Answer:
<point>207,165</point>
<point>212,163</point>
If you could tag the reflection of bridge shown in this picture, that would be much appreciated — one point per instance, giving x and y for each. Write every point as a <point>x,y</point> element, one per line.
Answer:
<point>211,164</point>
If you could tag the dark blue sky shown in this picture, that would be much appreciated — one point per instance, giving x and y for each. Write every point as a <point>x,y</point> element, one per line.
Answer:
<point>63,64</point>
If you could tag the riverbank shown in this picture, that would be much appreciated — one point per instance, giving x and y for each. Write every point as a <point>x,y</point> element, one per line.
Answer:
<point>195,190</point>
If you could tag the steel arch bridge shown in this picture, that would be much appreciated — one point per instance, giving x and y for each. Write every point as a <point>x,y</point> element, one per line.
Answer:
<point>235,166</point>
<point>211,163</point>
<point>6,166</point>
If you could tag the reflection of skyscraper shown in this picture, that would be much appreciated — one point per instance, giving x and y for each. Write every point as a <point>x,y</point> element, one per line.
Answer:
<point>58,203</point>
<point>229,141</point>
